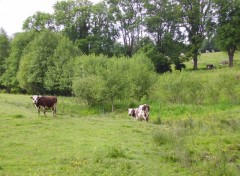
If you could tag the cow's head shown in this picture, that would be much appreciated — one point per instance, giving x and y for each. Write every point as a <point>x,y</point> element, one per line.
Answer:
<point>35,98</point>
<point>146,107</point>
<point>131,112</point>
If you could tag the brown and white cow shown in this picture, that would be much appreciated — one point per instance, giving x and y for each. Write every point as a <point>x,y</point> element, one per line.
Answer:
<point>47,102</point>
<point>140,113</point>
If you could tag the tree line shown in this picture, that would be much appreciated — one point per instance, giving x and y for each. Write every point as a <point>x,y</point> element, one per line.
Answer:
<point>50,55</point>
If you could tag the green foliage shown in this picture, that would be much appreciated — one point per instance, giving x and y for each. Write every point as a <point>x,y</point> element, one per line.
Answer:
<point>4,51</point>
<point>127,17</point>
<point>58,78</point>
<point>38,22</point>
<point>140,76</point>
<point>46,64</point>
<point>74,18</point>
<point>189,88</point>
<point>35,61</point>
<point>90,88</point>
<point>18,45</point>
<point>228,27</point>
<point>196,14</point>
<point>161,62</point>
<point>98,78</point>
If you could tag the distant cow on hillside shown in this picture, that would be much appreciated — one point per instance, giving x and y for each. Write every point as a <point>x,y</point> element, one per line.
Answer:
<point>140,113</point>
<point>210,66</point>
<point>47,102</point>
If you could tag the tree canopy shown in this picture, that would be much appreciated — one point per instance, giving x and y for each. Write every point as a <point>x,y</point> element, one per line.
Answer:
<point>97,51</point>
<point>228,27</point>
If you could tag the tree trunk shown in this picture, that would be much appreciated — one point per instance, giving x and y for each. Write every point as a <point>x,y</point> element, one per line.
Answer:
<point>112,104</point>
<point>230,60</point>
<point>231,55</point>
<point>195,62</point>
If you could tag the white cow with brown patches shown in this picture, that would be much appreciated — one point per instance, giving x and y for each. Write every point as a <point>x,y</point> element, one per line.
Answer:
<point>140,113</point>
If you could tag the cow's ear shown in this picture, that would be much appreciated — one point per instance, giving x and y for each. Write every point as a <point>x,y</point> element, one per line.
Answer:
<point>31,97</point>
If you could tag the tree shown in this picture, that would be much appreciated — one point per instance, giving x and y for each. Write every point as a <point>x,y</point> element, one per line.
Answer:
<point>90,88</point>
<point>195,15</point>
<point>116,82</point>
<point>59,75</point>
<point>35,62</point>
<point>127,16</point>
<point>161,20</point>
<point>73,19</point>
<point>228,33</point>
<point>18,45</point>
<point>88,81</point>
<point>140,75</point>
<point>39,21</point>
<point>103,35</point>
<point>99,79</point>
<point>162,63</point>
<point>4,51</point>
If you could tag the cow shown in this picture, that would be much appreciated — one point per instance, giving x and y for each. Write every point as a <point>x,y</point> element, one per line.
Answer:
<point>210,66</point>
<point>140,113</point>
<point>47,102</point>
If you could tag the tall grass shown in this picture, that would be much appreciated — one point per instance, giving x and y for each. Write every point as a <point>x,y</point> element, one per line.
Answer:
<point>215,86</point>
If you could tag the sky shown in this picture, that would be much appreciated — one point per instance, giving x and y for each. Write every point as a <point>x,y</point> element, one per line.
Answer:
<point>14,12</point>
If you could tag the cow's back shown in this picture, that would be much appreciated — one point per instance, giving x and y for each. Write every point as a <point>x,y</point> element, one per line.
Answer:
<point>47,101</point>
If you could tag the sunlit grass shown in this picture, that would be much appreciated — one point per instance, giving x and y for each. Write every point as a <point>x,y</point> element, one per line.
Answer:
<point>217,59</point>
<point>188,140</point>
<point>180,138</point>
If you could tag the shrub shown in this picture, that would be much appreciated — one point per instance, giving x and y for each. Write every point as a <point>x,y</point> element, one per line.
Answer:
<point>198,87</point>
<point>98,78</point>
<point>89,88</point>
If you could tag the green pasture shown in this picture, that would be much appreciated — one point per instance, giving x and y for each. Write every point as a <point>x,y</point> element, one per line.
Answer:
<point>194,129</point>
<point>218,59</point>
<point>186,141</point>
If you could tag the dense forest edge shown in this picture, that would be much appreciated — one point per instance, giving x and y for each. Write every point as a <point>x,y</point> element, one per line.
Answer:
<point>83,43</point>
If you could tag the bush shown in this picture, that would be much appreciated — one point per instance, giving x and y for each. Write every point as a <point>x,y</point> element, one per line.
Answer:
<point>99,78</point>
<point>89,88</point>
<point>197,88</point>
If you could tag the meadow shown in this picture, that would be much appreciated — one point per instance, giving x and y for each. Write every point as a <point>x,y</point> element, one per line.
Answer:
<point>197,134</point>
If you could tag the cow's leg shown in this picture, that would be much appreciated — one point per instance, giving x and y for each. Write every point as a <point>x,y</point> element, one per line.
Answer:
<point>54,110</point>
<point>44,110</point>
<point>38,108</point>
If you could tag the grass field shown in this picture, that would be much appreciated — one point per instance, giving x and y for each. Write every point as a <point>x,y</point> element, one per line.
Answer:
<point>217,58</point>
<point>180,139</point>
<point>204,143</point>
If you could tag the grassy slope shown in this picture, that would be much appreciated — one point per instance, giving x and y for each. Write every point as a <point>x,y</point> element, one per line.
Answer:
<point>214,58</point>
<point>188,140</point>
<point>64,145</point>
